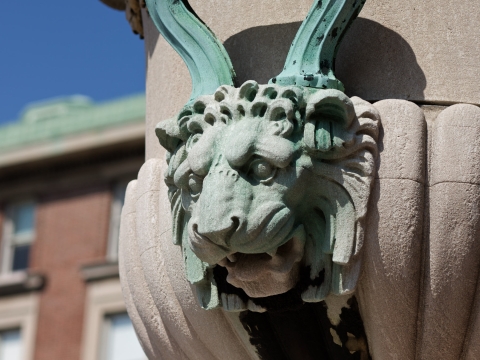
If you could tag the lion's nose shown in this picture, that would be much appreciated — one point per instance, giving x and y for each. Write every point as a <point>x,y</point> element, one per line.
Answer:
<point>219,215</point>
<point>218,232</point>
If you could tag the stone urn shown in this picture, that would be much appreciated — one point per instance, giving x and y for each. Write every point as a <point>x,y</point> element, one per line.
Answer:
<point>291,221</point>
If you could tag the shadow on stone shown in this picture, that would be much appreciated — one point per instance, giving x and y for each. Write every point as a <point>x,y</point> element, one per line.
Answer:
<point>373,62</point>
<point>376,63</point>
<point>259,53</point>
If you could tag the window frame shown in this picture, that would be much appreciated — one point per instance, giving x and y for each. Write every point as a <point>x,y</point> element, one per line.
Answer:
<point>106,333</point>
<point>21,312</point>
<point>103,298</point>
<point>3,331</point>
<point>9,240</point>
<point>118,190</point>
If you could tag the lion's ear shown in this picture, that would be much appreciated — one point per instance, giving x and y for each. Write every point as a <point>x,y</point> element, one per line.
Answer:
<point>169,134</point>
<point>328,113</point>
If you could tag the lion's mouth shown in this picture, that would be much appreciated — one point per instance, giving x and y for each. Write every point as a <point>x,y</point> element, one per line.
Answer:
<point>271,273</point>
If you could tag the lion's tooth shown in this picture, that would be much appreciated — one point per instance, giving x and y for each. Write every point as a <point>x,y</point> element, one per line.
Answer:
<point>232,258</point>
<point>273,252</point>
<point>254,307</point>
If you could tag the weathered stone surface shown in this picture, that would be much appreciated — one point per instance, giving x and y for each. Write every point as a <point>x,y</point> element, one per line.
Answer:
<point>403,147</point>
<point>453,254</point>
<point>408,50</point>
<point>472,345</point>
<point>451,270</point>
<point>170,324</point>
<point>164,67</point>
<point>390,285</point>
<point>431,112</point>
<point>138,299</point>
<point>455,146</point>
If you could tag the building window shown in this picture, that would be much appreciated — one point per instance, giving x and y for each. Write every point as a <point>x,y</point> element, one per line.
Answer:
<point>18,235</point>
<point>116,211</point>
<point>107,326</point>
<point>121,343</point>
<point>10,345</point>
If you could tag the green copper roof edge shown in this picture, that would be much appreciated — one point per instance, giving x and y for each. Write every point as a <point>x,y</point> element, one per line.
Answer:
<point>99,117</point>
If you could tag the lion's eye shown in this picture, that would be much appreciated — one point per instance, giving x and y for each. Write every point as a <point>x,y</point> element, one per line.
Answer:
<point>195,183</point>
<point>192,140</point>
<point>262,170</point>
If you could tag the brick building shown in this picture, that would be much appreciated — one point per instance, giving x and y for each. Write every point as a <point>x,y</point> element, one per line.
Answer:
<point>64,166</point>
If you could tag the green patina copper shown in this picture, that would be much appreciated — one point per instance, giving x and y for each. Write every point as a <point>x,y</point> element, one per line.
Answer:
<point>311,59</point>
<point>269,184</point>
<point>265,180</point>
<point>206,58</point>
<point>58,118</point>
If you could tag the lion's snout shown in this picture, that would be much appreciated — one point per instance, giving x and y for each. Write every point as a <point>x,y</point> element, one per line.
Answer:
<point>212,243</point>
<point>219,232</point>
<point>219,214</point>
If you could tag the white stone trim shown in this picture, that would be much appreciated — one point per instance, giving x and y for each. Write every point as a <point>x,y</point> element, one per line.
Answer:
<point>103,298</point>
<point>118,196</point>
<point>21,312</point>
<point>8,239</point>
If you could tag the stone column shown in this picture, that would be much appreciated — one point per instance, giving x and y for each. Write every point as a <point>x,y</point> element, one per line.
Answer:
<point>413,60</point>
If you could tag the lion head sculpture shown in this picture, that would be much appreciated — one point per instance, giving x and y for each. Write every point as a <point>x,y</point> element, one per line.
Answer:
<point>269,188</point>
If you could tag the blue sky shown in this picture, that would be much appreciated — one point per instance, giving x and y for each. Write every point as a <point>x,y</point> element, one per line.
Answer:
<point>55,47</point>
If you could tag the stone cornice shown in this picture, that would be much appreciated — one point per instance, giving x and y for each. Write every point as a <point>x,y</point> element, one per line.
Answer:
<point>115,4</point>
<point>133,12</point>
